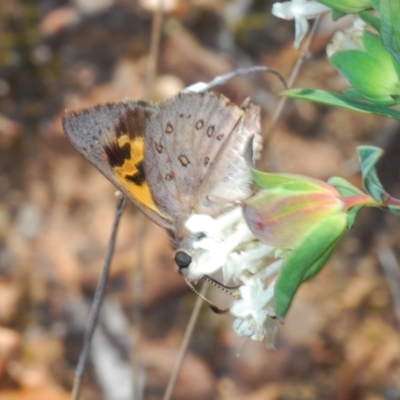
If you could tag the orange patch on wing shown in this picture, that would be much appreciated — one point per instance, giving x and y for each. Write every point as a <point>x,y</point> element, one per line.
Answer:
<point>132,176</point>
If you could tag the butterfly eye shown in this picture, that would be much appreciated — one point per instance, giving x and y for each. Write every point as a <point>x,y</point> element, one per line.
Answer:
<point>182,259</point>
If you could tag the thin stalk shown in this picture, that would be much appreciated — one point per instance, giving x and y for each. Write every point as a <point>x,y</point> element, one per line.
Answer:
<point>154,50</point>
<point>293,76</point>
<point>137,309</point>
<point>185,343</point>
<point>390,266</point>
<point>98,300</point>
<point>361,200</point>
<point>390,200</point>
<point>152,63</point>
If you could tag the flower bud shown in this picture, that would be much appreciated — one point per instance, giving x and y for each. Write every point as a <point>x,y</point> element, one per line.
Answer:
<point>368,66</point>
<point>304,216</point>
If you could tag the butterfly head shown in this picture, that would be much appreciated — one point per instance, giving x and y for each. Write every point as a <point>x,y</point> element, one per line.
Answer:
<point>190,263</point>
<point>183,259</point>
<point>206,243</point>
<point>188,258</point>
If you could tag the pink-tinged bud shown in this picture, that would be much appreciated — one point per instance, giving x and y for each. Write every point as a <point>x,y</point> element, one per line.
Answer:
<point>300,221</point>
<point>283,215</point>
<point>304,216</point>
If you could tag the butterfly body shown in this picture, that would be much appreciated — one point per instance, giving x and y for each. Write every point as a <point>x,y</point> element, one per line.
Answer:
<point>174,159</point>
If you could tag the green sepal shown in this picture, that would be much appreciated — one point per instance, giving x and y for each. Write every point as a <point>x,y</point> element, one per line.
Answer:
<point>369,156</point>
<point>337,14</point>
<point>306,261</point>
<point>292,182</point>
<point>316,267</point>
<point>390,23</point>
<point>373,46</point>
<point>345,188</point>
<point>371,20</point>
<point>351,216</point>
<point>375,4</point>
<point>342,101</point>
<point>396,66</point>
<point>395,210</point>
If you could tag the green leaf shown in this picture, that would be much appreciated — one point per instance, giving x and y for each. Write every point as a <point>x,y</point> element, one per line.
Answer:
<point>369,156</point>
<point>367,72</point>
<point>290,182</point>
<point>354,94</point>
<point>306,261</point>
<point>267,180</point>
<point>337,14</point>
<point>351,216</point>
<point>375,4</point>
<point>345,188</point>
<point>347,6</point>
<point>371,20</point>
<point>374,46</point>
<point>317,266</point>
<point>390,26</point>
<point>340,100</point>
<point>395,210</point>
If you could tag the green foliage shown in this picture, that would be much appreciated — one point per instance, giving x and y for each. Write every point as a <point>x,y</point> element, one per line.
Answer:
<point>371,20</point>
<point>369,156</point>
<point>342,101</point>
<point>346,189</point>
<point>390,26</point>
<point>307,260</point>
<point>347,6</point>
<point>373,69</point>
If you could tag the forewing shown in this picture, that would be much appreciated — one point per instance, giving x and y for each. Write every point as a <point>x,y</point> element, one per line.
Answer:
<point>229,179</point>
<point>184,140</point>
<point>111,136</point>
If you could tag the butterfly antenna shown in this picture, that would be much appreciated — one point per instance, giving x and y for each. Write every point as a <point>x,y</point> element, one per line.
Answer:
<point>208,302</point>
<point>224,288</point>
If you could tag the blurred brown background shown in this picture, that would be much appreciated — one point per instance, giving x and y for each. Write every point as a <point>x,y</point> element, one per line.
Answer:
<point>341,338</point>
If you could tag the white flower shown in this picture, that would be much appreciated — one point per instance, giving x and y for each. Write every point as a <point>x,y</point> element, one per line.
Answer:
<point>222,236</point>
<point>300,11</point>
<point>254,311</point>
<point>350,39</point>
<point>240,263</point>
<point>228,245</point>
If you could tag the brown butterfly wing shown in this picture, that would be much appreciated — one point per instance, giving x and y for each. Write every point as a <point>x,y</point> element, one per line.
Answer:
<point>111,136</point>
<point>194,148</point>
<point>229,179</point>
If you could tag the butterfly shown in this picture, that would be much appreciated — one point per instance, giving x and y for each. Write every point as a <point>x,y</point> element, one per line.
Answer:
<point>181,157</point>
